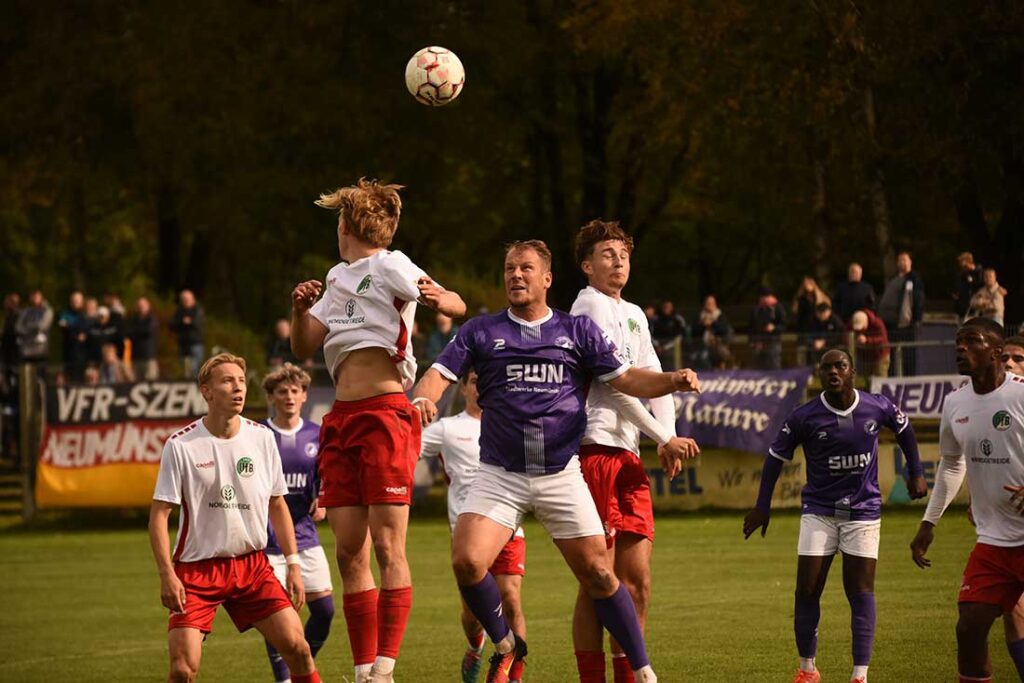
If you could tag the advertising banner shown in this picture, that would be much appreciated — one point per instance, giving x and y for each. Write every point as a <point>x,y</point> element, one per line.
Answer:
<point>101,445</point>
<point>740,409</point>
<point>917,397</point>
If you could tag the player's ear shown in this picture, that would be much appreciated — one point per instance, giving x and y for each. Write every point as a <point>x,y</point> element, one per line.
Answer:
<point>587,267</point>
<point>548,277</point>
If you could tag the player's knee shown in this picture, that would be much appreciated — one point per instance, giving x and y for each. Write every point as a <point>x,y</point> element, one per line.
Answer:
<point>293,647</point>
<point>388,552</point>
<point>598,580</point>
<point>640,590</point>
<point>468,571</point>
<point>807,593</point>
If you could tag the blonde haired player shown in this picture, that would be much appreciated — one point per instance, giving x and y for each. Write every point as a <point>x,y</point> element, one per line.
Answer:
<point>370,441</point>
<point>225,473</point>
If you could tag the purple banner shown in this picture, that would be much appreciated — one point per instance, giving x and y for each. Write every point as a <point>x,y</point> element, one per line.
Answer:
<point>741,409</point>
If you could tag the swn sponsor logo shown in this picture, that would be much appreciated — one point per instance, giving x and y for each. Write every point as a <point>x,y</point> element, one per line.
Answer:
<point>548,373</point>
<point>849,462</point>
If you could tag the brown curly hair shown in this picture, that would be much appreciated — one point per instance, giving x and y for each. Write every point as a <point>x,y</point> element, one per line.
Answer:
<point>599,231</point>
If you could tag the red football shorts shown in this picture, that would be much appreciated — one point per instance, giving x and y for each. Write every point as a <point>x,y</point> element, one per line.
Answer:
<point>511,561</point>
<point>245,585</point>
<point>621,490</point>
<point>994,576</point>
<point>368,451</point>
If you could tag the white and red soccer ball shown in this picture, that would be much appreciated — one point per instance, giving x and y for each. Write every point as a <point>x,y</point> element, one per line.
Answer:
<point>434,76</point>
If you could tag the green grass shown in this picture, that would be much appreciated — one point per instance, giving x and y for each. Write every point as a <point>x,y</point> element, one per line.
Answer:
<point>84,606</point>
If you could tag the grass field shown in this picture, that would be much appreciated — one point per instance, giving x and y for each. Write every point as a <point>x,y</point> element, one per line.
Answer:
<point>84,606</point>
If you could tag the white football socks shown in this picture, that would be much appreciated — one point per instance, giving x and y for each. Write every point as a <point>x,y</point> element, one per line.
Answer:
<point>859,672</point>
<point>807,664</point>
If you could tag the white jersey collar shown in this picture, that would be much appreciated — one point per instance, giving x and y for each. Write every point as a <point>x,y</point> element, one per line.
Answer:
<point>842,413</point>
<point>530,323</point>
<point>286,432</point>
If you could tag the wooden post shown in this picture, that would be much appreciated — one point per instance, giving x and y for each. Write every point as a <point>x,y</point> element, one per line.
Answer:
<point>29,422</point>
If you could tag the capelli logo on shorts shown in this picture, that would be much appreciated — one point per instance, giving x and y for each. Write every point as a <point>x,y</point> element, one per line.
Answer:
<point>397,490</point>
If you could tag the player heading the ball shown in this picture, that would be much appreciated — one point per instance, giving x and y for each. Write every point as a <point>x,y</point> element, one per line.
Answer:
<point>224,472</point>
<point>534,365</point>
<point>370,441</point>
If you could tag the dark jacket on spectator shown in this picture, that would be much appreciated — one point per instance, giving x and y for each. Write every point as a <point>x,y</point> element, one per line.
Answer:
<point>279,351</point>
<point>967,283</point>
<point>33,328</point>
<point>10,354</point>
<point>892,300</point>
<point>830,329</point>
<point>104,333</point>
<point>143,332</point>
<point>853,296</point>
<point>768,312</point>
<point>665,328</point>
<point>191,333</point>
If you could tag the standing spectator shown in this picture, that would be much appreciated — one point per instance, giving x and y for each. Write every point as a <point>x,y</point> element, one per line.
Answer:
<point>650,313</point>
<point>279,348</point>
<point>826,329</point>
<point>902,307</point>
<point>74,333</point>
<point>854,294</point>
<point>968,281</point>
<point>104,331</point>
<point>713,336</point>
<point>142,329</point>
<point>112,369</point>
<point>873,353</point>
<point>116,307</point>
<point>668,329</point>
<point>987,302</point>
<point>805,304</point>
<point>443,333</point>
<point>10,355</point>
<point>767,322</point>
<point>91,376</point>
<point>189,324</point>
<point>33,329</point>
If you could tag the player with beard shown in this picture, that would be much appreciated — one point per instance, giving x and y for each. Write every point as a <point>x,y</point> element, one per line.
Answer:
<point>841,504</point>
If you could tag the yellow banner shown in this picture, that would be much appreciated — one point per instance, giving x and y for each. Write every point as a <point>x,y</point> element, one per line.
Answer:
<point>109,486</point>
<point>730,479</point>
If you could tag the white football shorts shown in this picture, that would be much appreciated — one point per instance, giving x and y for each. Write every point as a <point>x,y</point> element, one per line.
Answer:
<point>561,502</point>
<point>821,535</point>
<point>316,572</point>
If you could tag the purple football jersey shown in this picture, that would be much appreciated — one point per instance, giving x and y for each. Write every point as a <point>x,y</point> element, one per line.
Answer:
<point>298,460</point>
<point>533,379</point>
<point>841,451</point>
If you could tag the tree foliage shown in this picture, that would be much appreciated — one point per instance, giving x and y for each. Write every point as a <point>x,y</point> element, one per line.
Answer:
<point>149,146</point>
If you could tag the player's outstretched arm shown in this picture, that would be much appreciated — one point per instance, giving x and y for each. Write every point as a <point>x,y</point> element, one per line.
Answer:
<point>760,516</point>
<point>281,520</point>
<point>172,592</point>
<point>308,333</point>
<point>440,299</point>
<point>428,392</point>
<point>649,384</point>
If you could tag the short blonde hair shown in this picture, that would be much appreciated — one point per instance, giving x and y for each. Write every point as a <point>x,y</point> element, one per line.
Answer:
<point>286,374</point>
<point>220,359</point>
<point>369,208</point>
<point>538,246</point>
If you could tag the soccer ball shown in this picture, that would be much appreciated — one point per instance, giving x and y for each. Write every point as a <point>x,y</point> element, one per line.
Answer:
<point>434,76</point>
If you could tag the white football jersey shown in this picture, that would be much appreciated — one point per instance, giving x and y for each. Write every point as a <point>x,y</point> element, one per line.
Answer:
<point>988,429</point>
<point>224,488</point>
<point>456,440</point>
<point>371,303</point>
<point>626,325</point>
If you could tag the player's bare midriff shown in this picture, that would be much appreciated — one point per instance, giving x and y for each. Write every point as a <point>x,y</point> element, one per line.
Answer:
<point>366,373</point>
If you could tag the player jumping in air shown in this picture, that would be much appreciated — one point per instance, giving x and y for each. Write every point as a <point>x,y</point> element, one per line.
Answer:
<point>841,504</point>
<point>298,443</point>
<point>983,426</point>
<point>370,441</point>
<point>609,455</point>
<point>534,365</point>
<point>225,473</point>
<point>456,440</point>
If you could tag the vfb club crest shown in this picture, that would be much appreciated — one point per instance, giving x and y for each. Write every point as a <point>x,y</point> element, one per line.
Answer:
<point>245,467</point>
<point>1001,421</point>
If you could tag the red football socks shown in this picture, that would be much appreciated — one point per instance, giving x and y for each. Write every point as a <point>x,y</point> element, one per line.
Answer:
<point>393,609</point>
<point>516,672</point>
<point>621,667</point>
<point>306,678</point>
<point>361,622</point>
<point>590,665</point>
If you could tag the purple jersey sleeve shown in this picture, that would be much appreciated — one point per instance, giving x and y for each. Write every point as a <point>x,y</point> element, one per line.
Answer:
<point>900,425</point>
<point>598,354</point>
<point>457,358</point>
<point>788,439</point>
